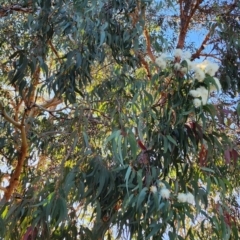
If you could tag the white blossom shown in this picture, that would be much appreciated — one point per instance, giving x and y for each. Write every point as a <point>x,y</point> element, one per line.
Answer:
<point>161,185</point>
<point>203,93</point>
<point>208,67</point>
<point>211,68</point>
<point>182,197</point>
<point>202,65</point>
<point>165,193</point>
<point>183,70</point>
<point>178,53</point>
<point>177,66</point>
<point>190,64</point>
<point>190,198</point>
<point>213,86</point>
<point>194,93</point>
<point>161,62</point>
<point>199,92</point>
<point>197,102</point>
<point>199,74</point>
<point>153,189</point>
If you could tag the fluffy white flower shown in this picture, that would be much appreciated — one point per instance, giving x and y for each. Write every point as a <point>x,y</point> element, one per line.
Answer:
<point>183,70</point>
<point>177,66</point>
<point>213,87</point>
<point>211,68</point>
<point>182,197</point>
<point>202,65</point>
<point>165,193</point>
<point>208,67</point>
<point>153,189</point>
<point>178,53</point>
<point>187,55</point>
<point>190,64</point>
<point>200,92</point>
<point>197,102</point>
<point>161,62</point>
<point>161,185</point>
<point>199,74</point>
<point>190,198</point>
<point>203,94</point>
<point>194,93</point>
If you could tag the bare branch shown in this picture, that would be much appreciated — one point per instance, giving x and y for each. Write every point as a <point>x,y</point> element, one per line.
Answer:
<point>55,51</point>
<point>23,153</point>
<point>4,11</point>
<point>3,189</point>
<point>201,48</point>
<point>8,118</point>
<point>186,15</point>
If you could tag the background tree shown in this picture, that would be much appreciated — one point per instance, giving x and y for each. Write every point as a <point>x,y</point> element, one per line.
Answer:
<point>108,130</point>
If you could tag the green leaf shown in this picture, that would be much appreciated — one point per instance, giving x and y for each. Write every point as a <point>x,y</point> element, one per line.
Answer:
<point>171,139</point>
<point>155,229</point>
<point>114,134</point>
<point>141,197</point>
<point>85,137</point>
<point>165,141</point>
<point>133,145</point>
<point>119,143</point>
<point>127,175</point>
<point>238,109</point>
<point>210,109</point>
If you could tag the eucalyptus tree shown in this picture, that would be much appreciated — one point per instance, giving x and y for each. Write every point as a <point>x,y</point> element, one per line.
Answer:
<point>107,126</point>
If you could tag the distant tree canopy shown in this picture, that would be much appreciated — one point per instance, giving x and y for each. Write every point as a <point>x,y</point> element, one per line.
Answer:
<point>119,119</point>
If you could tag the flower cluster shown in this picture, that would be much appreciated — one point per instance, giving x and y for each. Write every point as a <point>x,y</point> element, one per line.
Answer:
<point>200,92</point>
<point>178,53</point>
<point>164,192</point>
<point>186,197</point>
<point>208,67</point>
<point>161,61</point>
<point>199,71</point>
<point>153,189</point>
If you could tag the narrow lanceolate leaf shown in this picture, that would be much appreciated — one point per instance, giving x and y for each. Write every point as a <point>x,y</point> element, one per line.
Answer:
<point>141,197</point>
<point>238,109</point>
<point>108,130</point>
<point>119,143</point>
<point>133,145</point>
<point>85,136</point>
<point>171,139</point>
<point>127,176</point>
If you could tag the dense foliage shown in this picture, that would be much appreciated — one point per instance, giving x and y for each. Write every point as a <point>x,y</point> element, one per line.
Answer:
<point>112,123</point>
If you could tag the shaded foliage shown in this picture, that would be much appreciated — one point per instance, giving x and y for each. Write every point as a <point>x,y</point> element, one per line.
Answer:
<point>93,131</point>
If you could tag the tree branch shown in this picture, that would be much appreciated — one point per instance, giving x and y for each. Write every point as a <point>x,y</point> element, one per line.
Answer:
<point>55,51</point>
<point>4,11</point>
<point>23,153</point>
<point>8,118</point>
<point>186,15</point>
<point>148,43</point>
<point>145,65</point>
<point>201,48</point>
<point>3,189</point>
